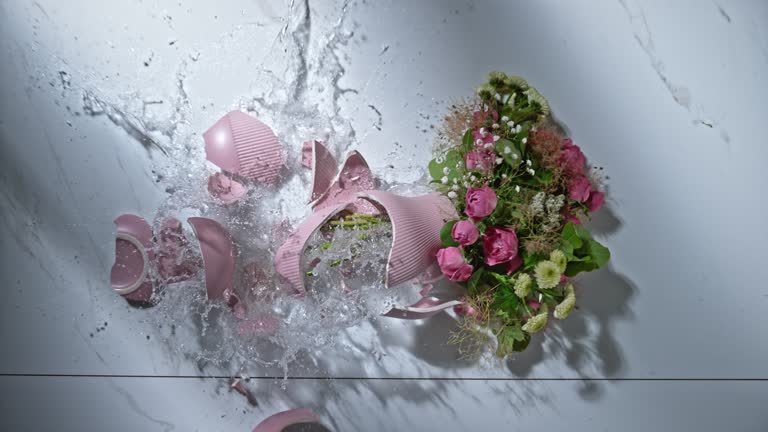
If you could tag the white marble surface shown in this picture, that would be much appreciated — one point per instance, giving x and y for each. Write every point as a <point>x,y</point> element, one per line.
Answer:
<point>670,97</point>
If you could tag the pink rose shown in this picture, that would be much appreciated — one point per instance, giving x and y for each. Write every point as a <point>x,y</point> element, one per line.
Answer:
<point>499,245</point>
<point>572,160</point>
<point>480,202</point>
<point>578,188</point>
<point>596,200</point>
<point>465,232</point>
<point>479,160</point>
<point>452,264</point>
<point>514,264</point>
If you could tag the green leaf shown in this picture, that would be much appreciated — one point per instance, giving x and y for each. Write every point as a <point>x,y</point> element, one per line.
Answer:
<point>467,141</point>
<point>571,236</point>
<point>445,234</point>
<point>545,177</point>
<point>508,338</point>
<point>474,280</point>
<point>599,253</point>
<point>520,346</point>
<point>449,160</point>
<point>593,255</point>
<point>513,158</point>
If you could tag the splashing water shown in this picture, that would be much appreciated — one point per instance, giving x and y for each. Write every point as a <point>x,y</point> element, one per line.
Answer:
<point>300,101</point>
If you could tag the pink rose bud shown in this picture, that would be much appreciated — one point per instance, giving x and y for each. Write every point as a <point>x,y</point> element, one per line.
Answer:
<point>465,232</point>
<point>453,265</point>
<point>578,189</point>
<point>480,202</point>
<point>563,279</point>
<point>464,310</point>
<point>499,245</point>
<point>596,200</point>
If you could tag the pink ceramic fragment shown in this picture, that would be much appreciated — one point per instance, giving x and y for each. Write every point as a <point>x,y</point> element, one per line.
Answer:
<point>354,177</point>
<point>223,188</point>
<point>133,253</point>
<point>416,225</point>
<point>237,385</point>
<point>173,265</point>
<point>219,253</point>
<point>277,422</point>
<point>424,308</point>
<point>324,170</point>
<point>306,154</point>
<point>241,144</point>
<point>288,256</point>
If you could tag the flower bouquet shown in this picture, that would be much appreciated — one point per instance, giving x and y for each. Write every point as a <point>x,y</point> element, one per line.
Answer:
<point>522,192</point>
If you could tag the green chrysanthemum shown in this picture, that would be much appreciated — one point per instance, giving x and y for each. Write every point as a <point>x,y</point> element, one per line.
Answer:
<point>558,257</point>
<point>566,306</point>
<point>537,322</point>
<point>523,285</point>
<point>547,274</point>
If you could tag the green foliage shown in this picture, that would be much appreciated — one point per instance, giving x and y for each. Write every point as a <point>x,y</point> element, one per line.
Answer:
<point>445,234</point>
<point>511,339</point>
<point>474,281</point>
<point>584,253</point>
<point>450,161</point>
<point>513,158</point>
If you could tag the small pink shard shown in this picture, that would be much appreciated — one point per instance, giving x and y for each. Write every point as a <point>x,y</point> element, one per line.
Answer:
<point>133,254</point>
<point>278,422</point>
<point>173,265</point>
<point>416,225</point>
<point>237,385</point>
<point>324,170</point>
<point>219,253</point>
<point>241,144</point>
<point>424,308</point>
<point>354,177</point>
<point>223,188</point>
<point>306,154</point>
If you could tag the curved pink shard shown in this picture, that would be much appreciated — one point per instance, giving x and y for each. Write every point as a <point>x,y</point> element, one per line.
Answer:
<point>424,308</point>
<point>288,256</point>
<point>416,225</point>
<point>324,170</point>
<point>223,188</point>
<point>241,144</point>
<point>277,422</point>
<point>219,252</point>
<point>354,177</point>
<point>133,253</point>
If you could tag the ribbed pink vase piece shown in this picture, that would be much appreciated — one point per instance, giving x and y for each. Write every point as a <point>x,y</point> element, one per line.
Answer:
<point>416,225</point>
<point>288,256</point>
<point>133,253</point>
<point>219,253</point>
<point>241,144</point>
<point>355,176</point>
<point>277,422</point>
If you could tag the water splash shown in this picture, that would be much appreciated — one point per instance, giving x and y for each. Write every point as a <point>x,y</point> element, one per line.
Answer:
<point>301,101</point>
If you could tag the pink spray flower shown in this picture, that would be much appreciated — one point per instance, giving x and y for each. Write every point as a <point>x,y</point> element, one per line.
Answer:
<point>483,116</point>
<point>464,310</point>
<point>465,232</point>
<point>479,160</point>
<point>572,160</point>
<point>579,188</point>
<point>482,138</point>
<point>453,265</point>
<point>596,200</point>
<point>499,245</point>
<point>480,202</point>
